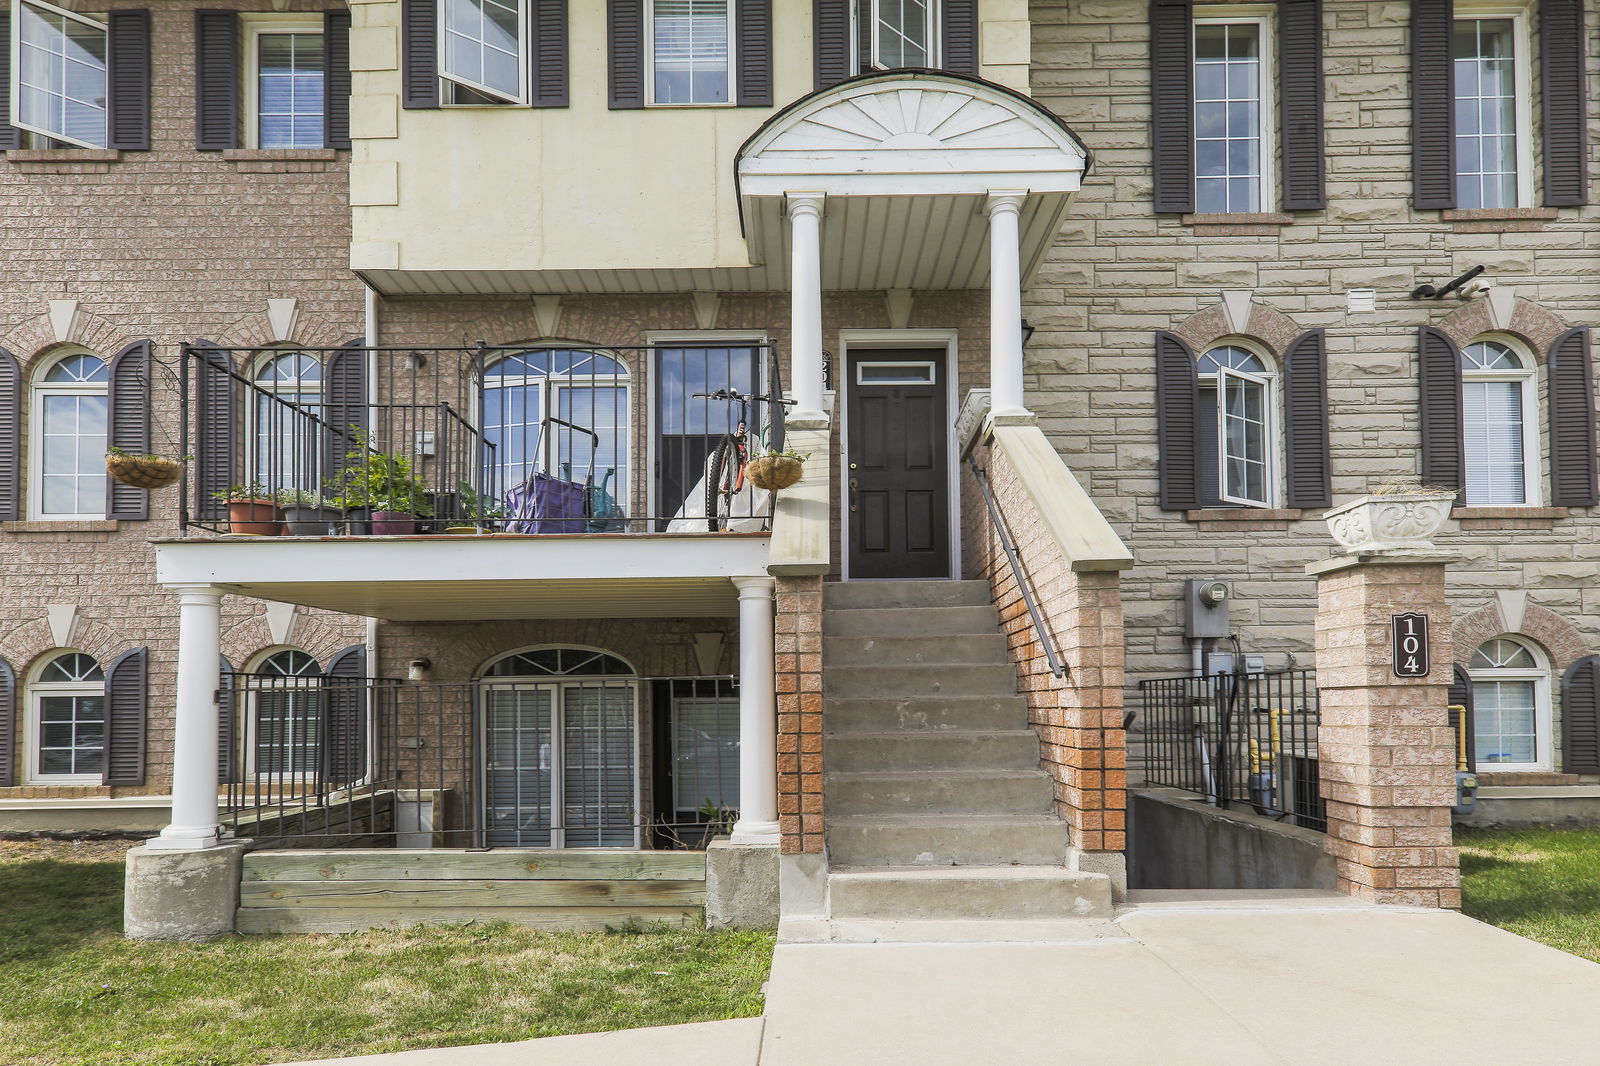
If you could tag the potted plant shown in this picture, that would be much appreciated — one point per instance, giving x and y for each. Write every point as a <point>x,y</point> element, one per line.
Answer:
<point>252,510</point>
<point>775,470</point>
<point>478,514</point>
<point>388,487</point>
<point>307,513</point>
<point>144,471</point>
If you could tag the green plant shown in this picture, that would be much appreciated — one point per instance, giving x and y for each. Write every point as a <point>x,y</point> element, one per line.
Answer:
<point>112,449</point>
<point>719,819</point>
<point>242,493</point>
<point>304,498</point>
<point>382,481</point>
<point>478,507</point>
<point>788,453</point>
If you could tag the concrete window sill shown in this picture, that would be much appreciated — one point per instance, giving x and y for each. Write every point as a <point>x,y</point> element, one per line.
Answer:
<point>1509,517</point>
<point>1241,519</point>
<point>63,160</point>
<point>83,526</point>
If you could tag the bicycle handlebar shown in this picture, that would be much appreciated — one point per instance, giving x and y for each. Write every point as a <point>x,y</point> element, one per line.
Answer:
<point>735,394</point>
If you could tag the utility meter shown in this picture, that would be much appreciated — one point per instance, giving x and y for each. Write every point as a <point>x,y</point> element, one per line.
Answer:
<point>1212,593</point>
<point>1206,608</point>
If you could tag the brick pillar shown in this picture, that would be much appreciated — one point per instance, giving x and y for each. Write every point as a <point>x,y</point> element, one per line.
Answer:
<point>1385,744</point>
<point>798,665</point>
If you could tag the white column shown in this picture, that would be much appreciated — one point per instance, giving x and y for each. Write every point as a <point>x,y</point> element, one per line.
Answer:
<point>195,823</point>
<point>805,326</point>
<point>1005,305</point>
<point>758,716</point>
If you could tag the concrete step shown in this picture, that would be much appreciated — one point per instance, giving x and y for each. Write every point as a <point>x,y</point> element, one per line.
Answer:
<point>810,929</point>
<point>888,682</point>
<point>959,892</point>
<point>924,714</point>
<point>939,792</point>
<point>1012,749</point>
<point>946,840</point>
<point>989,648</point>
<point>911,622</point>
<point>857,595</point>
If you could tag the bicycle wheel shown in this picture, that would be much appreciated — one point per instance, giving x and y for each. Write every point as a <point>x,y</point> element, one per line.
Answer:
<point>722,476</point>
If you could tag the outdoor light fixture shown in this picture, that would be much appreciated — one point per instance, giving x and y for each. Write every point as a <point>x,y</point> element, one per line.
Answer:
<point>419,669</point>
<point>1428,292</point>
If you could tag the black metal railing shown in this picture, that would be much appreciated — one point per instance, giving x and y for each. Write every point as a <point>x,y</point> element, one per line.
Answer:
<point>510,439</point>
<point>1019,571</point>
<point>1237,739</point>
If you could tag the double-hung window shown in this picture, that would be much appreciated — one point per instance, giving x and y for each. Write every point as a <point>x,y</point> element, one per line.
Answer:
<point>60,83</point>
<point>1511,705</point>
<point>1231,146</point>
<point>1492,112</point>
<point>286,726</point>
<point>1236,397</point>
<point>68,709</point>
<point>1499,425</point>
<point>287,84</point>
<point>483,50</point>
<point>68,441</point>
<point>904,33</point>
<point>691,51</point>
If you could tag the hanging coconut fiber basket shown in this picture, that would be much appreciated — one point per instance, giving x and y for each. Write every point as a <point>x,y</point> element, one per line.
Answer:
<point>144,471</point>
<point>774,472</point>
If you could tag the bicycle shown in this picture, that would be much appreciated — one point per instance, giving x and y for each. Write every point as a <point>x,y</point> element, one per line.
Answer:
<point>725,467</point>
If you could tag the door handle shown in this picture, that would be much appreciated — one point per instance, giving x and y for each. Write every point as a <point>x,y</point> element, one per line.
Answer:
<point>853,484</point>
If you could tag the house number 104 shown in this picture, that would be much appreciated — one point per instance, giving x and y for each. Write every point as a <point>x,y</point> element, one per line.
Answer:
<point>1410,641</point>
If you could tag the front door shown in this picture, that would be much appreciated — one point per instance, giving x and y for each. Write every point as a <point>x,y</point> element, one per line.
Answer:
<point>897,455</point>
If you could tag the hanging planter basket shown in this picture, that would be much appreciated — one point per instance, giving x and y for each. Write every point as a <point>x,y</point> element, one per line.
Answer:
<point>774,472</point>
<point>143,471</point>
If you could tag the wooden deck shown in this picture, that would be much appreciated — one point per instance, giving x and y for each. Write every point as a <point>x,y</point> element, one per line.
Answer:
<point>345,891</point>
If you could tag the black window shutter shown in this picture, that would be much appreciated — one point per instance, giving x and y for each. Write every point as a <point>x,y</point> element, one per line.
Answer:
<point>1305,406</point>
<point>1300,104</point>
<point>128,425</point>
<point>1207,467</point>
<point>960,37</point>
<point>830,38</point>
<point>1563,101</point>
<point>1433,123</point>
<point>10,437</point>
<point>754,48</point>
<point>1573,473</point>
<point>10,136</point>
<point>128,81</point>
<point>625,23</point>
<point>126,683</point>
<point>336,75</point>
<point>1172,104</point>
<point>1580,717</point>
<point>1460,695</point>
<point>8,725</point>
<point>216,420</point>
<point>1176,435</point>
<point>1439,380</point>
<point>344,745</point>
<point>549,53</point>
<point>216,80</point>
<point>345,393</point>
<point>227,726</point>
<point>863,42</point>
<point>419,54</point>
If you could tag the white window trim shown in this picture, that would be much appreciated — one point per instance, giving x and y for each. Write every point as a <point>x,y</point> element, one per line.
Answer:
<point>1543,717</point>
<point>1275,442</point>
<point>650,61</point>
<point>33,727</point>
<point>524,43</point>
<point>1528,377</point>
<point>16,69</point>
<point>935,36</point>
<point>1268,480</point>
<point>254,25</point>
<point>252,417</point>
<point>1261,15</point>
<point>1522,75</point>
<point>37,391</point>
<point>930,378</point>
<point>247,686</point>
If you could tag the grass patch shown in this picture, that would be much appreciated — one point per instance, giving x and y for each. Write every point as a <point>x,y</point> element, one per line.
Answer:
<point>74,991</point>
<point>1543,884</point>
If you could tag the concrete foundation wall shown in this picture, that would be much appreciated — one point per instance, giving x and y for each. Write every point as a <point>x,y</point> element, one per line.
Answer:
<point>1178,841</point>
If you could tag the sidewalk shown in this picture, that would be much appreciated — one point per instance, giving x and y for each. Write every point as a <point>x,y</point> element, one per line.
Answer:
<point>1302,979</point>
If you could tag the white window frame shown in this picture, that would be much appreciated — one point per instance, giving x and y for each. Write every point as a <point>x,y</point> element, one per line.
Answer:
<point>930,378</point>
<point>524,43</point>
<point>247,686</point>
<point>1224,375</point>
<point>650,61</point>
<point>935,36</point>
<point>255,26</point>
<point>15,117</point>
<point>1528,377</point>
<point>34,689</point>
<point>38,389</point>
<point>1261,16</point>
<point>1522,79</point>
<point>292,393</point>
<point>1543,717</point>
<point>1274,443</point>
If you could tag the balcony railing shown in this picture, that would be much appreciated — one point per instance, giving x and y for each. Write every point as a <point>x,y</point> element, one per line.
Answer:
<point>511,439</point>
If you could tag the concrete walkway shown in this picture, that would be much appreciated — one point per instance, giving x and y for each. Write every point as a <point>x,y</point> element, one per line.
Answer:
<point>1224,978</point>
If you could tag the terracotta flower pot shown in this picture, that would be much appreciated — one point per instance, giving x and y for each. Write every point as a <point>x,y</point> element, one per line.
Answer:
<point>393,524</point>
<point>259,518</point>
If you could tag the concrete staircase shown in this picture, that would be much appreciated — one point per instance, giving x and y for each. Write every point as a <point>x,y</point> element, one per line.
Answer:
<point>939,819</point>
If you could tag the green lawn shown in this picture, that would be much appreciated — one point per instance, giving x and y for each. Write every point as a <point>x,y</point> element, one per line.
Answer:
<point>73,991</point>
<point>1543,884</point>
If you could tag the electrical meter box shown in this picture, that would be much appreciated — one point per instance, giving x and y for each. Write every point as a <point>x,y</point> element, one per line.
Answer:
<point>1205,608</point>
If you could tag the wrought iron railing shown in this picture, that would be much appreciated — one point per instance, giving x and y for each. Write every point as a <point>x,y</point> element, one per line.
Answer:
<point>1237,739</point>
<point>1019,571</point>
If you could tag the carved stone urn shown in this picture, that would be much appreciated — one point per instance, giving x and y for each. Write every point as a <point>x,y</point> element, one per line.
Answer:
<point>1383,522</point>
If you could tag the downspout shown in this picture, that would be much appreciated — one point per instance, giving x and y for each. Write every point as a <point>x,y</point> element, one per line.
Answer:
<point>369,337</point>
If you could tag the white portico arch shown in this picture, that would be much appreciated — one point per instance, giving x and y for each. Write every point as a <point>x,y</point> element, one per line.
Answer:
<point>905,180</point>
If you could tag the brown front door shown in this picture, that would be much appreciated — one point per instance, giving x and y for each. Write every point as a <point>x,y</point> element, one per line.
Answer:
<point>897,481</point>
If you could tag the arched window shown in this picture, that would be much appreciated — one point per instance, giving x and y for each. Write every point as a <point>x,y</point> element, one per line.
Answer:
<point>557,411</point>
<point>1511,705</point>
<point>560,744</point>
<point>68,442</point>
<point>286,720</point>
<point>67,709</point>
<point>286,416</point>
<point>1237,431</point>
<point>1498,425</point>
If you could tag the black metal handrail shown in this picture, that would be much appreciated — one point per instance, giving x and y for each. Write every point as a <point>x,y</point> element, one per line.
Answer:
<point>1019,571</point>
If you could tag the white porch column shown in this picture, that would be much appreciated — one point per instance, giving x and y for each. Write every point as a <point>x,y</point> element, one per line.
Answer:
<point>1005,305</point>
<point>805,327</point>
<point>195,823</point>
<point>758,715</point>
